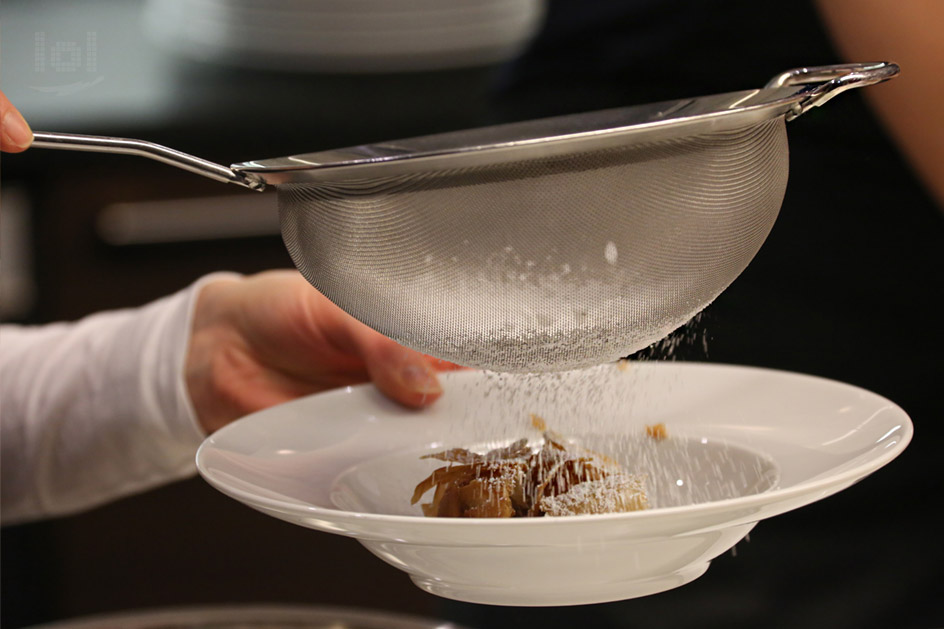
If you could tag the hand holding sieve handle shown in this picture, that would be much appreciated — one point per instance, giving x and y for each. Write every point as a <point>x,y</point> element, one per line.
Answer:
<point>833,80</point>
<point>128,146</point>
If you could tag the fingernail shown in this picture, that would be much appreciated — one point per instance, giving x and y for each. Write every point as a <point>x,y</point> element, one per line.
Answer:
<point>420,379</point>
<point>16,131</point>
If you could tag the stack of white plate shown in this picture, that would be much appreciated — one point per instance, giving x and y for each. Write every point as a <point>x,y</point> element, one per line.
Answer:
<point>346,35</point>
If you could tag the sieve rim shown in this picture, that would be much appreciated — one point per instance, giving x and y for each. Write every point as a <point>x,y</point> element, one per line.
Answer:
<point>547,137</point>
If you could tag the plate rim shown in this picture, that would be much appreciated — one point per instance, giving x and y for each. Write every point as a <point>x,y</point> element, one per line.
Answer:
<point>776,495</point>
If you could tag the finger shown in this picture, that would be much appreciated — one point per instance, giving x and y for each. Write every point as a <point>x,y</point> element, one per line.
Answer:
<point>15,135</point>
<point>402,374</point>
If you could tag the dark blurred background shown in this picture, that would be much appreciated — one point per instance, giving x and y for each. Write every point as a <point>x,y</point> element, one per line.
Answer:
<point>846,287</point>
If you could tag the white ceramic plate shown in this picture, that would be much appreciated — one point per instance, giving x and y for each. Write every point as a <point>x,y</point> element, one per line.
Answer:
<point>744,444</point>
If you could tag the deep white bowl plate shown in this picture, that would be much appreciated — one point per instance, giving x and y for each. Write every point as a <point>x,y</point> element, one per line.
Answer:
<point>744,444</point>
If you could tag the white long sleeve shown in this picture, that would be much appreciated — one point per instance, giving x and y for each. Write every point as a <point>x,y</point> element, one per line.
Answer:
<point>95,410</point>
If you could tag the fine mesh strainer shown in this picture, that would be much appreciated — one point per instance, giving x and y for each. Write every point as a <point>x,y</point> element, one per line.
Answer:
<point>538,246</point>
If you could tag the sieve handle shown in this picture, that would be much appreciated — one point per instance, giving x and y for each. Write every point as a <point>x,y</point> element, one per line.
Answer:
<point>833,80</point>
<point>128,146</point>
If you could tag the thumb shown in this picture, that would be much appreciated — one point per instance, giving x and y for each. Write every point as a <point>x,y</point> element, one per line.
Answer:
<point>15,135</point>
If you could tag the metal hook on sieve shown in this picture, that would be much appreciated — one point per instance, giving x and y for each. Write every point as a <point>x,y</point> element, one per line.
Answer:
<point>833,80</point>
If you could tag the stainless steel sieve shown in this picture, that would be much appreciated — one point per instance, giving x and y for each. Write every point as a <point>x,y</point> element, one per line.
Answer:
<point>544,245</point>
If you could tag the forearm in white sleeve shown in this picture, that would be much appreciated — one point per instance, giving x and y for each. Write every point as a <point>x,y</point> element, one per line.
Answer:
<point>95,410</point>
